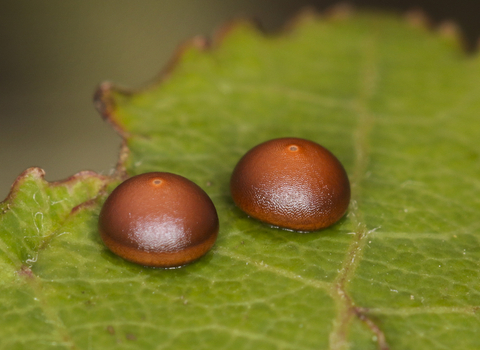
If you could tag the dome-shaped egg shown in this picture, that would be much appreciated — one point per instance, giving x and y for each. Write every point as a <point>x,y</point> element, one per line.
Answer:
<point>291,183</point>
<point>159,219</point>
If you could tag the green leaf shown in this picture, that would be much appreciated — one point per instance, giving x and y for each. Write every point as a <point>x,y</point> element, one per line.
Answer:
<point>396,103</point>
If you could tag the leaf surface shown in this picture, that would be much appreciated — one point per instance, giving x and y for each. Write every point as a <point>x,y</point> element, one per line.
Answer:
<point>397,104</point>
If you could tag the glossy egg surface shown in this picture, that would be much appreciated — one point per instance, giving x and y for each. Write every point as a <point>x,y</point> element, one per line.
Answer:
<point>159,219</point>
<point>291,183</point>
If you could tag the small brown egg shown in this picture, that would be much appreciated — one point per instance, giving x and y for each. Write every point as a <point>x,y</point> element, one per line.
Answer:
<point>159,219</point>
<point>291,183</point>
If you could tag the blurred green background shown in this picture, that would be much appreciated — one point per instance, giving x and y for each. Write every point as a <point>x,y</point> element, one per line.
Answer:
<point>54,53</point>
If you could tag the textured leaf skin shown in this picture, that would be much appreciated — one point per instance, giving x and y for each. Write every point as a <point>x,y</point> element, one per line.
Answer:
<point>397,104</point>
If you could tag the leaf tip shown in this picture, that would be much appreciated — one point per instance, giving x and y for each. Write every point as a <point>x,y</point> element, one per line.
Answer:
<point>105,104</point>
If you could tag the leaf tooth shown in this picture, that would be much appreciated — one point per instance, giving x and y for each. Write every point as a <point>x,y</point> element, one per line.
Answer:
<point>447,29</point>
<point>198,42</point>
<point>104,103</point>
<point>224,30</point>
<point>417,18</point>
<point>452,32</point>
<point>340,11</point>
<point>35,172</point>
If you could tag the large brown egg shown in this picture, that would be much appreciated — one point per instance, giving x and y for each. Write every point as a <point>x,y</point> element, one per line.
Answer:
<point>159,219</point>
<point>291,183</point>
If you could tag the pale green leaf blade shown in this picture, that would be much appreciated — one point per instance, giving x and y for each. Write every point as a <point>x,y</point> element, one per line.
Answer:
<point>396,104</point>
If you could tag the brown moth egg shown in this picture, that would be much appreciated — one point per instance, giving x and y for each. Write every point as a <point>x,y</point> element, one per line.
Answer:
<point>291,183</point>
<point>159,219</point>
